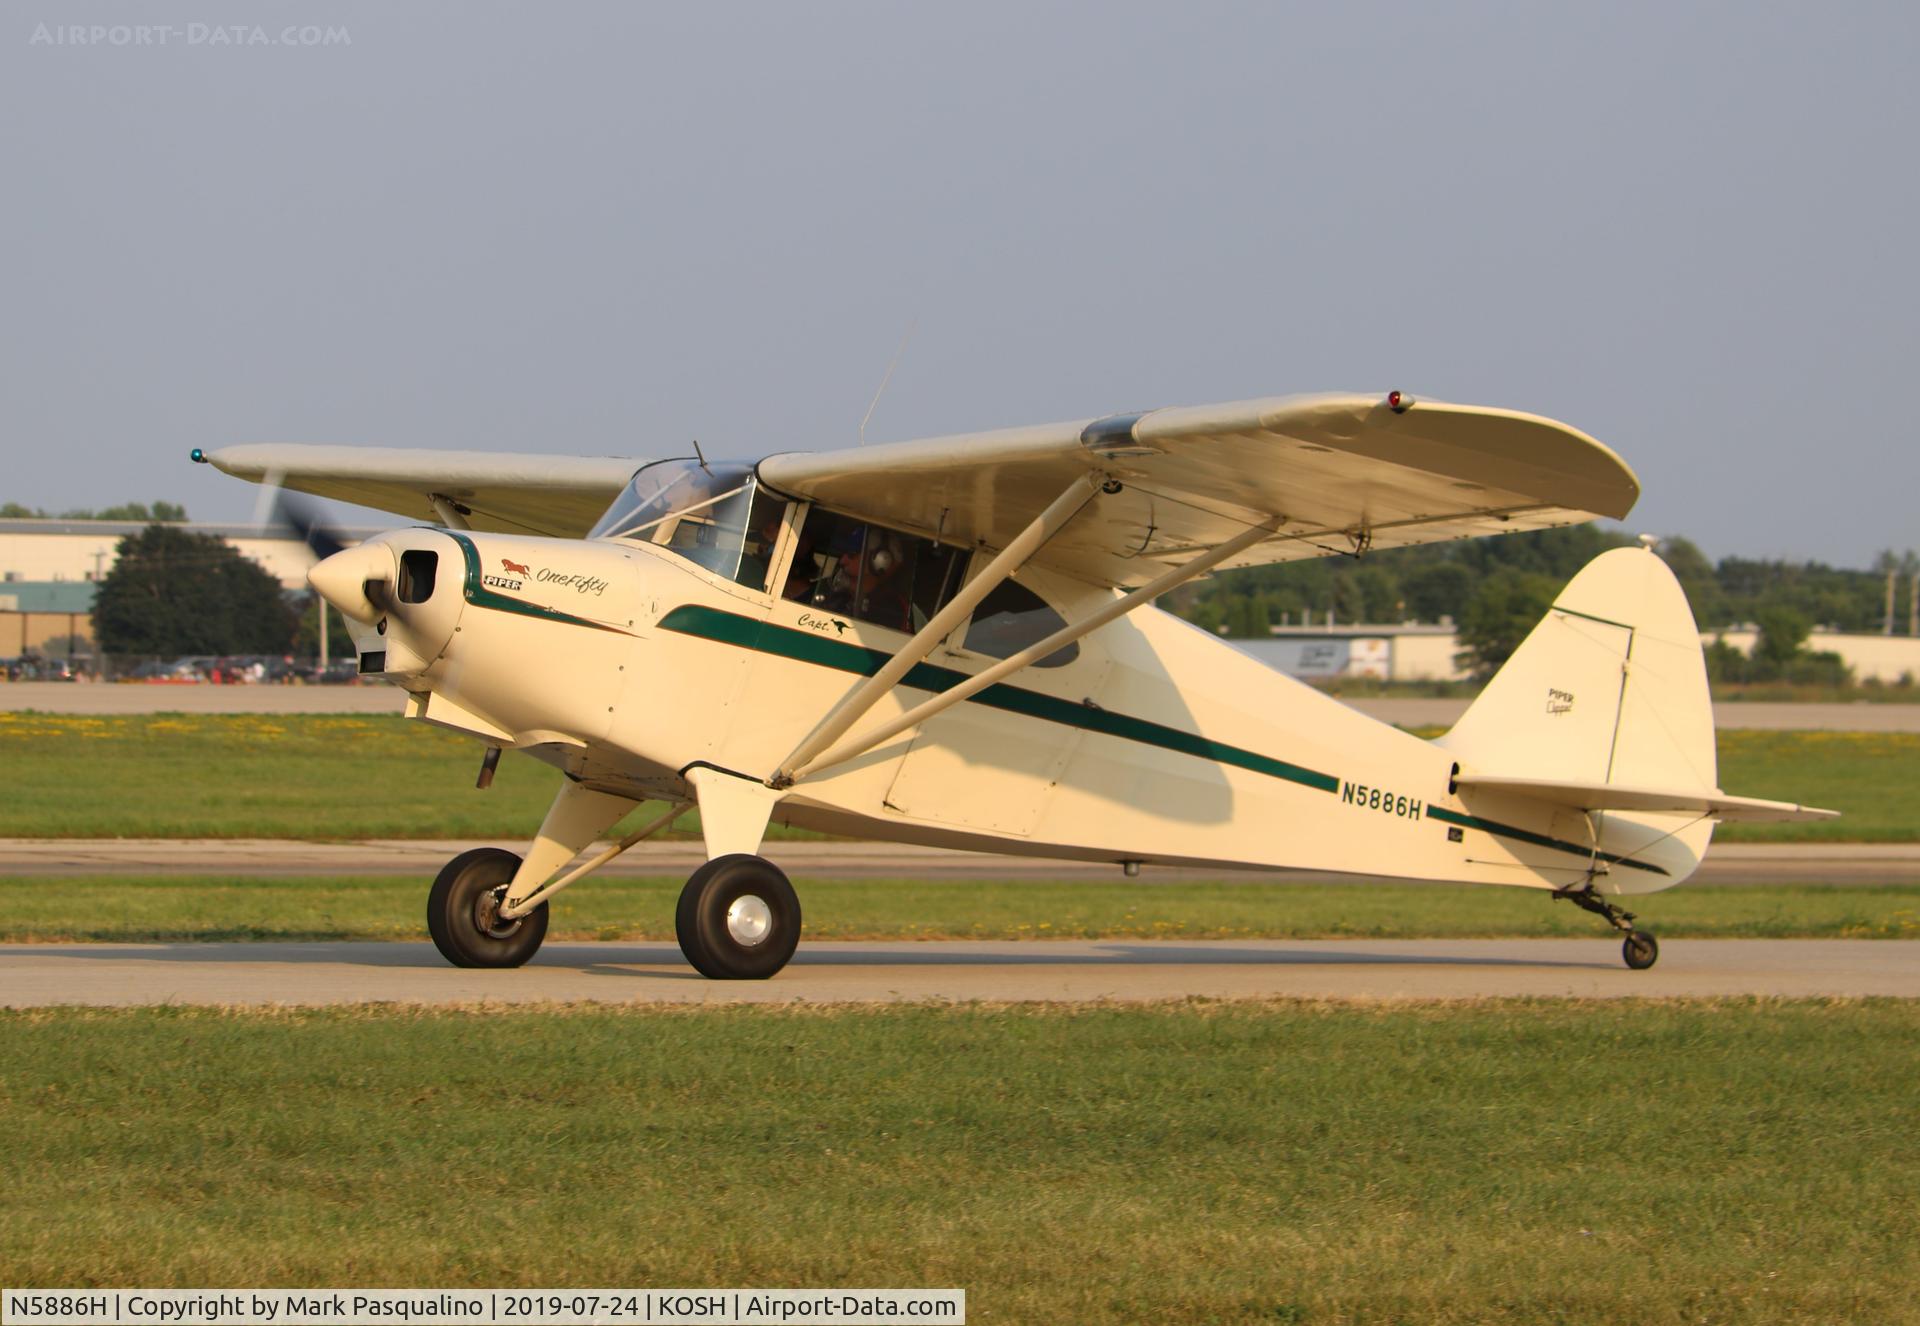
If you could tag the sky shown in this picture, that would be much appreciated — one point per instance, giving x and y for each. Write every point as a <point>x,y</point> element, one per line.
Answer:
<point>1686,229</point>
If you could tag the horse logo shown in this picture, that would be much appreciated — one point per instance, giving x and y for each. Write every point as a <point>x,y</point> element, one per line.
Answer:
<point>515,568</point>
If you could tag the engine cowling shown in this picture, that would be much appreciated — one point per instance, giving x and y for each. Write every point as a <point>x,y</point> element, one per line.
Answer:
<point>401,594</point>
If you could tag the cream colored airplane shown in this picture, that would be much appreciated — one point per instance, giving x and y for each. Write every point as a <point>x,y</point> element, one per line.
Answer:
<point>952,642</point>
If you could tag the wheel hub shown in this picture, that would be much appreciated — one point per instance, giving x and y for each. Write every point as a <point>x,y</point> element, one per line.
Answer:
<point>486,914</point>
<point>749,920</point>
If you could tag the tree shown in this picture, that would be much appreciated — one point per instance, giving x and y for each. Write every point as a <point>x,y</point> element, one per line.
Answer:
<point>1725,663</point>
<point>1247,619</point>
<point>306,639</point>
<point>1436,591</point>
<point>171,592</point>
<point>1696,576</point>
<point>164,512</point>
<point>1498,617</point>
<point>1782,633</point>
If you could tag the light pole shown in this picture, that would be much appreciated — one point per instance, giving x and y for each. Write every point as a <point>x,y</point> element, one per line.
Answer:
<point>1910,563</point>
<point>1890,564</point>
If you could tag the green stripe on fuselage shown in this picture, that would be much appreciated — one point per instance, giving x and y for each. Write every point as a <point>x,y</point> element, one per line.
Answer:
<point>1500,830</point>
<point>806,647</point>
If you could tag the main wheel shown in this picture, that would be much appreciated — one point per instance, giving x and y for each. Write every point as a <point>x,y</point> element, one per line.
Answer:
<point>1641,950</point>
<point>463,912</point>
<point>738,919</point>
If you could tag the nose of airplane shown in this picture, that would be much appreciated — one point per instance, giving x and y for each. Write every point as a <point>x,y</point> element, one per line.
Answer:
<point>342,579</point>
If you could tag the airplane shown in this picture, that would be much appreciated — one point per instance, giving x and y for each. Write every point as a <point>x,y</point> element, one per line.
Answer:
<point>953,642</point>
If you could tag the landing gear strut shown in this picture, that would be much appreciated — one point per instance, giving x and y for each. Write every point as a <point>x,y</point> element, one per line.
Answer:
<point>1640,949</point>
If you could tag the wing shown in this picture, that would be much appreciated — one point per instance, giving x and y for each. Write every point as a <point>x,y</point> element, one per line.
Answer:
<point>1343,472</point>
<point>499,491</point>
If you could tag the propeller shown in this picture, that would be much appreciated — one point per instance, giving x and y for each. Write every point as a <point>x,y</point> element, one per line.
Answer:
<point>357,590</point>
<point>304,517</point>
<point>301,515</point>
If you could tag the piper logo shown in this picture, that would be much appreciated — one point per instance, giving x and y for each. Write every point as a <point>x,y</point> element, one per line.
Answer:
<point>516,577</point>
<point>1559,701</point>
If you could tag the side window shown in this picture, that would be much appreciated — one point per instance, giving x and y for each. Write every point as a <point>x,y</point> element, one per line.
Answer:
<point>1013,617</point>
<point>877,575</point>
<point>764,520</point>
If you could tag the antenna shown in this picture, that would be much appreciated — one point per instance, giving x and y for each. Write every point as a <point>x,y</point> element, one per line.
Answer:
<point>701,456</point>
<point>884,381</point>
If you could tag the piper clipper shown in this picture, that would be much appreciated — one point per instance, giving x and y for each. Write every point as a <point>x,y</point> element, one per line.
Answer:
<point>952,642</point>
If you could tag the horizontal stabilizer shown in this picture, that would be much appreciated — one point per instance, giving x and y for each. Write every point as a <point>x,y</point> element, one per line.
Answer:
<point>1660,800</point>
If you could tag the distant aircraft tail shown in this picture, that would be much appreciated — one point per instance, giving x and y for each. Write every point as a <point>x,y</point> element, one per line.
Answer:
<point>1604,711</point>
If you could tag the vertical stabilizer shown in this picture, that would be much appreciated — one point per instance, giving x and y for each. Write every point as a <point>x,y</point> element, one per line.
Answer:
<point>1610,688</point>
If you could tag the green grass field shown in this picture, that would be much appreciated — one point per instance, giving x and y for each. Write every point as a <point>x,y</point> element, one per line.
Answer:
<point>223,908</point>
<point>1624,1162</point>
<point>341,776</point>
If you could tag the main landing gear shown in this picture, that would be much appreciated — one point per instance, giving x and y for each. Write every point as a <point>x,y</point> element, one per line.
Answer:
<point>738,919</point>
<point>1640,949</point>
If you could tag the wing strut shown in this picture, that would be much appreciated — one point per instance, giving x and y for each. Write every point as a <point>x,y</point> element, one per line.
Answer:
<point>920,713</point>
<point>449,511</point>
<point>1023,546</point>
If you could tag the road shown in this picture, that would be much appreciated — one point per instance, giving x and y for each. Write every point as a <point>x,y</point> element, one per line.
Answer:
<point>1729,864</point>
<point>1073,971</point>
<point>72,698</point>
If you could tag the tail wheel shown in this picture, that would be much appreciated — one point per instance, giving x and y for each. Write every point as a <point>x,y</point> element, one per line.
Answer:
<point>1641,950</point>
<point>738,919</point>
<point>463,912</point>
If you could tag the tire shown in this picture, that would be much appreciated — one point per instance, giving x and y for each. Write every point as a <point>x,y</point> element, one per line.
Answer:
<point>1641,950</point>
<point>457,906</point>
<point>722,951</point>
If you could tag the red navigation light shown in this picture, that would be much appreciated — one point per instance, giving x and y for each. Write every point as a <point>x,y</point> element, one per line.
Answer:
<point>1398,401</point>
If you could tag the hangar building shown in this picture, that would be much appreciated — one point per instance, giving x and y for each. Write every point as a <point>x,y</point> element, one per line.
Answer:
<point>48,569</point>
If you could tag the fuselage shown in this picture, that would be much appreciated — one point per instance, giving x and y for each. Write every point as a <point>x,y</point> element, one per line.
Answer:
<point>625,664</point>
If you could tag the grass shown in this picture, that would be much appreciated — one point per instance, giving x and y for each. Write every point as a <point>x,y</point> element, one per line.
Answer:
<point>1630,1162</point>
<point>221,908</point>
<point>260,776</point>
<point>347,776</point>
<point>1869,776</point>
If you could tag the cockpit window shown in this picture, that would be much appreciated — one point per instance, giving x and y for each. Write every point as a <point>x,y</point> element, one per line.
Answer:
<point>871,573</point>
<point>698,511</point>
<point>1010,618</point>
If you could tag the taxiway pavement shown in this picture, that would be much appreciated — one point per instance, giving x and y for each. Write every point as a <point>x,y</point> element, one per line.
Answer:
<point>1053,970</point>
<point>1726,864</point>
<point>80,698</point>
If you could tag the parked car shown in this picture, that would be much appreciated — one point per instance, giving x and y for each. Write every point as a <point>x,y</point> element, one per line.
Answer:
<point>180,669</point>
<point>32,667</point>
<point>341,672</point>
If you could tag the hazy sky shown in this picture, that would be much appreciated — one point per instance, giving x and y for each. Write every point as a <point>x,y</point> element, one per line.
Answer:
<point>592,228</point>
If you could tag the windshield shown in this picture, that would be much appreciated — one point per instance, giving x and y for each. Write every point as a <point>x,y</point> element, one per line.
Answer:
<point>698,511</point>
